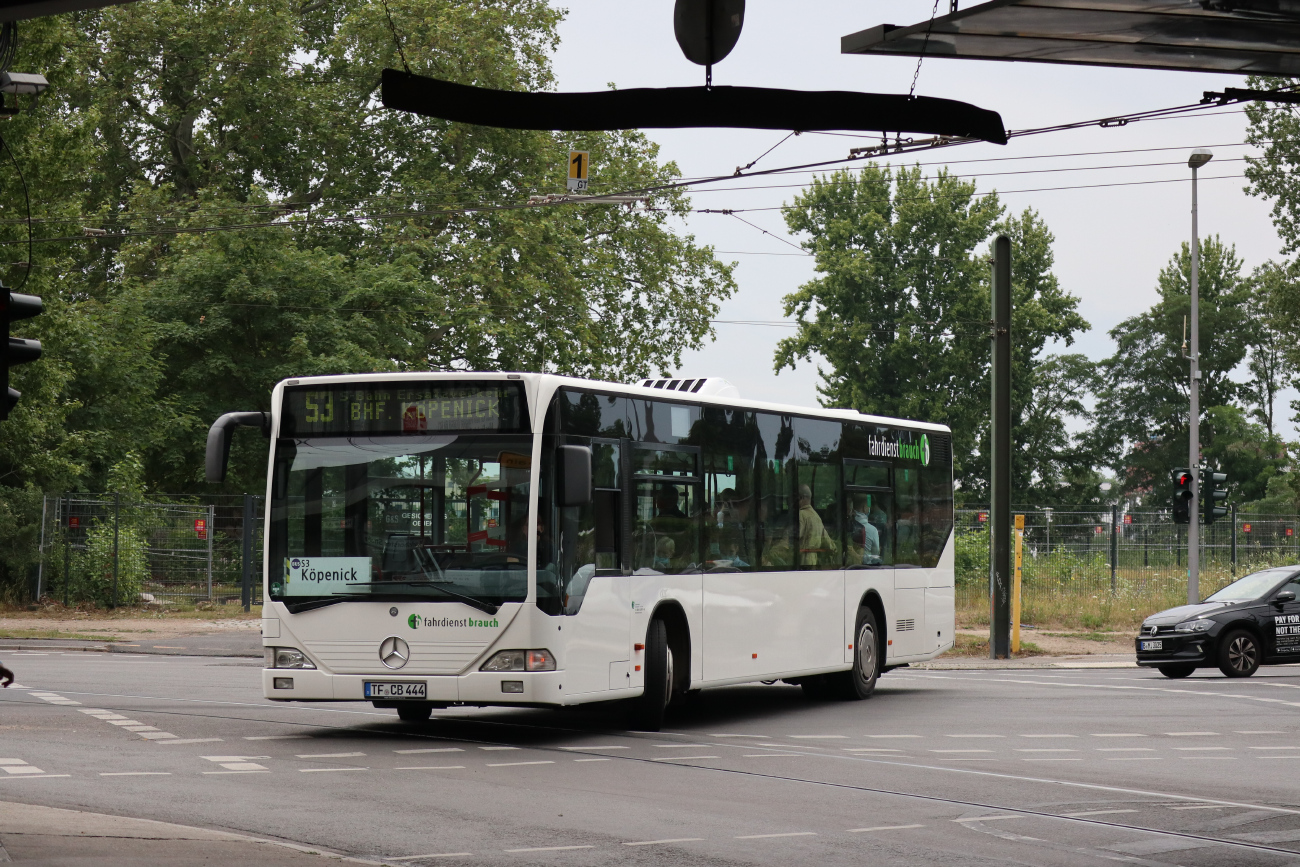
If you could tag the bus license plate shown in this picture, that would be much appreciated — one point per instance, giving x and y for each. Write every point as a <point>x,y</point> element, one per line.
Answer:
<point>386,689</point>
<point>1153,645</point>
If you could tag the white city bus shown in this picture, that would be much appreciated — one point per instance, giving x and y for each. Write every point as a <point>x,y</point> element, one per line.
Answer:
<point>439,539</point>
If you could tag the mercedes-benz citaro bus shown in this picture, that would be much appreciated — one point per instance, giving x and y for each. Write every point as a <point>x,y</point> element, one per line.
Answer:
<point>442,539</point>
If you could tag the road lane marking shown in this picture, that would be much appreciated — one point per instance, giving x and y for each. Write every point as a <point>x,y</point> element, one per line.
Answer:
<point>770,755</point>
<point>1119,735</point>
<point>986,818</point>
<point>664,842</point>
<point>1133,759</point>
<point>759,737</point>
<point>1126,749</point>
<point>516,764</point>
<point>190,741</point>
<point>327,770</point>
<point>893,736</point>
<point>432,768</point>
<point>1046,750</point>
<point>882,828</point>
<point>1200,749</point>
<point>772,836</point>
<point>1051,760</point>
<point>1274,748</point>
<point>1198,807</point>
<point>681,746</point>
<point>681,758</point>
<point>819,737</point>
<point>1049,736</point>
<point>21,769</point>
<point>593,760</point>
<point>277,737</point>
<point>595,748</point>
<point>550,848</point>
<point>330,755</point>
<point>1261,733</point>
<point>1095,813</point>
<point>433,855</point>
<point>959,751</point>
<point>123,721</point>
<point>431,750</point>
<point>499,748</point>
<point>237,763</point>
<point>974,736</point>
<point>136,774</point>
<point>219,773</point>
<point>1192,734</point>
<point>157,736</point>
<point>142,728</point>
<point>871,749</point>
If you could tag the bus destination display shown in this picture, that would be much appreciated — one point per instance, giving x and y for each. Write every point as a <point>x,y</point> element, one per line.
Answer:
<point>398,408</point>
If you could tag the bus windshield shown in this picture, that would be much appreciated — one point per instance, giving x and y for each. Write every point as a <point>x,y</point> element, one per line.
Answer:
<point>427,517</point>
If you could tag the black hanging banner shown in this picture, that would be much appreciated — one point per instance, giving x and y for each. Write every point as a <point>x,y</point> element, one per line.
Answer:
<point>682,107</point>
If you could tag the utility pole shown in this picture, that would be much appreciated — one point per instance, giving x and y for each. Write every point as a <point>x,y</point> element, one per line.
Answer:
<point>1000,469</point>
<point>1199,157</point>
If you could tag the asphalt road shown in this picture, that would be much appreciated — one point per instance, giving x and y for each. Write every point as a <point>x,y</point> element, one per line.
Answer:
<point>1083,767</point>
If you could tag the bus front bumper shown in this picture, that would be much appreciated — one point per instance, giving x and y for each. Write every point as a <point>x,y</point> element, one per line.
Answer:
<point>478,687</point>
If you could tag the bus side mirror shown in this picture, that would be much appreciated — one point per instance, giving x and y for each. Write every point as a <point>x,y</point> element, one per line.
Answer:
<point>1283,597</point>
<point>218,453</point>
<point>575,475</point>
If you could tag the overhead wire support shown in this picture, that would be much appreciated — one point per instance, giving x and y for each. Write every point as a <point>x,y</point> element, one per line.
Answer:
<point>1230,95</point>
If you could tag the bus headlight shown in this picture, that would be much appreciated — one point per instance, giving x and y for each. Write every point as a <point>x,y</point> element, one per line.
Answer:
<point>287,657</point>
<point>520,660</point>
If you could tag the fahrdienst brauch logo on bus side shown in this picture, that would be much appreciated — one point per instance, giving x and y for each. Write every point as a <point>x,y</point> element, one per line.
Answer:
<point>896,448</point>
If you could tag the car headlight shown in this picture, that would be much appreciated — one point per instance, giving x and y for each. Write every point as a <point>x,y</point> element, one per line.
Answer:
<point>1194,626</point>
<point>520,660</point>
<point>287,657</point>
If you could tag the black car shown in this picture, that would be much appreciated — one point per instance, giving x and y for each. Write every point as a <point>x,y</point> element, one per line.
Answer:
<point>1254,620</point>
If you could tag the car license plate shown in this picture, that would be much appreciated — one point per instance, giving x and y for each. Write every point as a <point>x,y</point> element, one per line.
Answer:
<point>387,689</point>
<point>1153,645</point>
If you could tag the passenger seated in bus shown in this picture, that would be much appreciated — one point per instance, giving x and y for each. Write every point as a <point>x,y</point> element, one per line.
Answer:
<point>665,548</point>
<point>666,503</point>
<point>864,535</point>
<point>733,541</point>
<point>813,539</point>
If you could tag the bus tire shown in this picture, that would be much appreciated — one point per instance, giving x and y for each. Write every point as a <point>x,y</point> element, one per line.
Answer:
<point>414,712</point>
<point>859,682</point>
<point>647,712</point>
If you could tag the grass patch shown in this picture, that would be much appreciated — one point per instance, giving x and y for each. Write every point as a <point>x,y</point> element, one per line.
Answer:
<point>977,647</point>
<point>1090,636</point>
<point>54,633</point>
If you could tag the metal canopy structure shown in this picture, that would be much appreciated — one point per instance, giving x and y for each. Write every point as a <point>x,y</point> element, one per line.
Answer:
<point>1260,37</point>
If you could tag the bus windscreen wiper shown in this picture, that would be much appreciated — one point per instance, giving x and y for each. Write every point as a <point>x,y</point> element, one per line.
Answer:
<point>486,607</point>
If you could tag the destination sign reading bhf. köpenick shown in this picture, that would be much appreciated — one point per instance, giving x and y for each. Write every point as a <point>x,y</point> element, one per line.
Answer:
<point>324,576</point>
<point>401,408</point>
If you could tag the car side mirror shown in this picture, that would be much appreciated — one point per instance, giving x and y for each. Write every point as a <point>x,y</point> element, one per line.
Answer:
<point>1283,597</point>
<point>574,470</point>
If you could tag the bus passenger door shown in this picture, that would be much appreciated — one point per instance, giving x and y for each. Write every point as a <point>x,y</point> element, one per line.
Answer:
<point>596,596</point>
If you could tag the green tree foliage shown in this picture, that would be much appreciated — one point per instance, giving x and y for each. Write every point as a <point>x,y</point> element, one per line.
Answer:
<point>265,217</point>
<point>899,308</point>
<point>1142,423</point>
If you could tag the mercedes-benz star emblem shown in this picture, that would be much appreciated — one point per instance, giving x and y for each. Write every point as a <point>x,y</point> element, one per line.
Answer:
<point>394,652</point>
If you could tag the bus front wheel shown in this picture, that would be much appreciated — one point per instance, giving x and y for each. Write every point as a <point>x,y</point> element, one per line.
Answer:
<point>859,682</point>
<point>647,712</point>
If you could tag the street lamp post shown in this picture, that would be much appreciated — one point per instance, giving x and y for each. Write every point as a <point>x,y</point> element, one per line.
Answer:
<point>1199,157</point>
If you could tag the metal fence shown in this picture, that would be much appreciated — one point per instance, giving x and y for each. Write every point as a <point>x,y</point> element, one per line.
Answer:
<point>1118,553</point>
<point>107,550</point>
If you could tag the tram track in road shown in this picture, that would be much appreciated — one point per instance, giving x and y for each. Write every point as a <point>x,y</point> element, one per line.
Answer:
<point>538,732</point>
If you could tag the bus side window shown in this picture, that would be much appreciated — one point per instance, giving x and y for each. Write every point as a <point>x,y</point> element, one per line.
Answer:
<point>729,503</point>
<point>907,516</point>
<point>819,516</point>
<point>776,521</point>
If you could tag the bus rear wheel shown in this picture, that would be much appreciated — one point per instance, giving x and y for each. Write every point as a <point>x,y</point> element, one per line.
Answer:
<point>647,712</point>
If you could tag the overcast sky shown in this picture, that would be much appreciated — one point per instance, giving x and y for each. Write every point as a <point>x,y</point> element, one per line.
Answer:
<point>1111,241</point>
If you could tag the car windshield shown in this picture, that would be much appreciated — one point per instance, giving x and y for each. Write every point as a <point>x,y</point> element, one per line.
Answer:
<point>433,517</point>
<point>1253,586</point>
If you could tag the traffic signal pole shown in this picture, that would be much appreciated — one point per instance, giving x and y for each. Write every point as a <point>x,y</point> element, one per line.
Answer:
<point>1194,436</point>
<point>1000,469</point>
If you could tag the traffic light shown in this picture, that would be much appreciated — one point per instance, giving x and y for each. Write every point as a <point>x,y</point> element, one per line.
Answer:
<point>1212,494</point>
<point>1182,495</point>
<point>14,307</point>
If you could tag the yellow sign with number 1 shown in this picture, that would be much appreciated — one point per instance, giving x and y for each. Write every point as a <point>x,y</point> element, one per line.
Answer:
<point>579,164</point>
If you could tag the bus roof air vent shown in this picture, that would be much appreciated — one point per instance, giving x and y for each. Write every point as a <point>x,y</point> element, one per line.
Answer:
<point>707,386</point>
